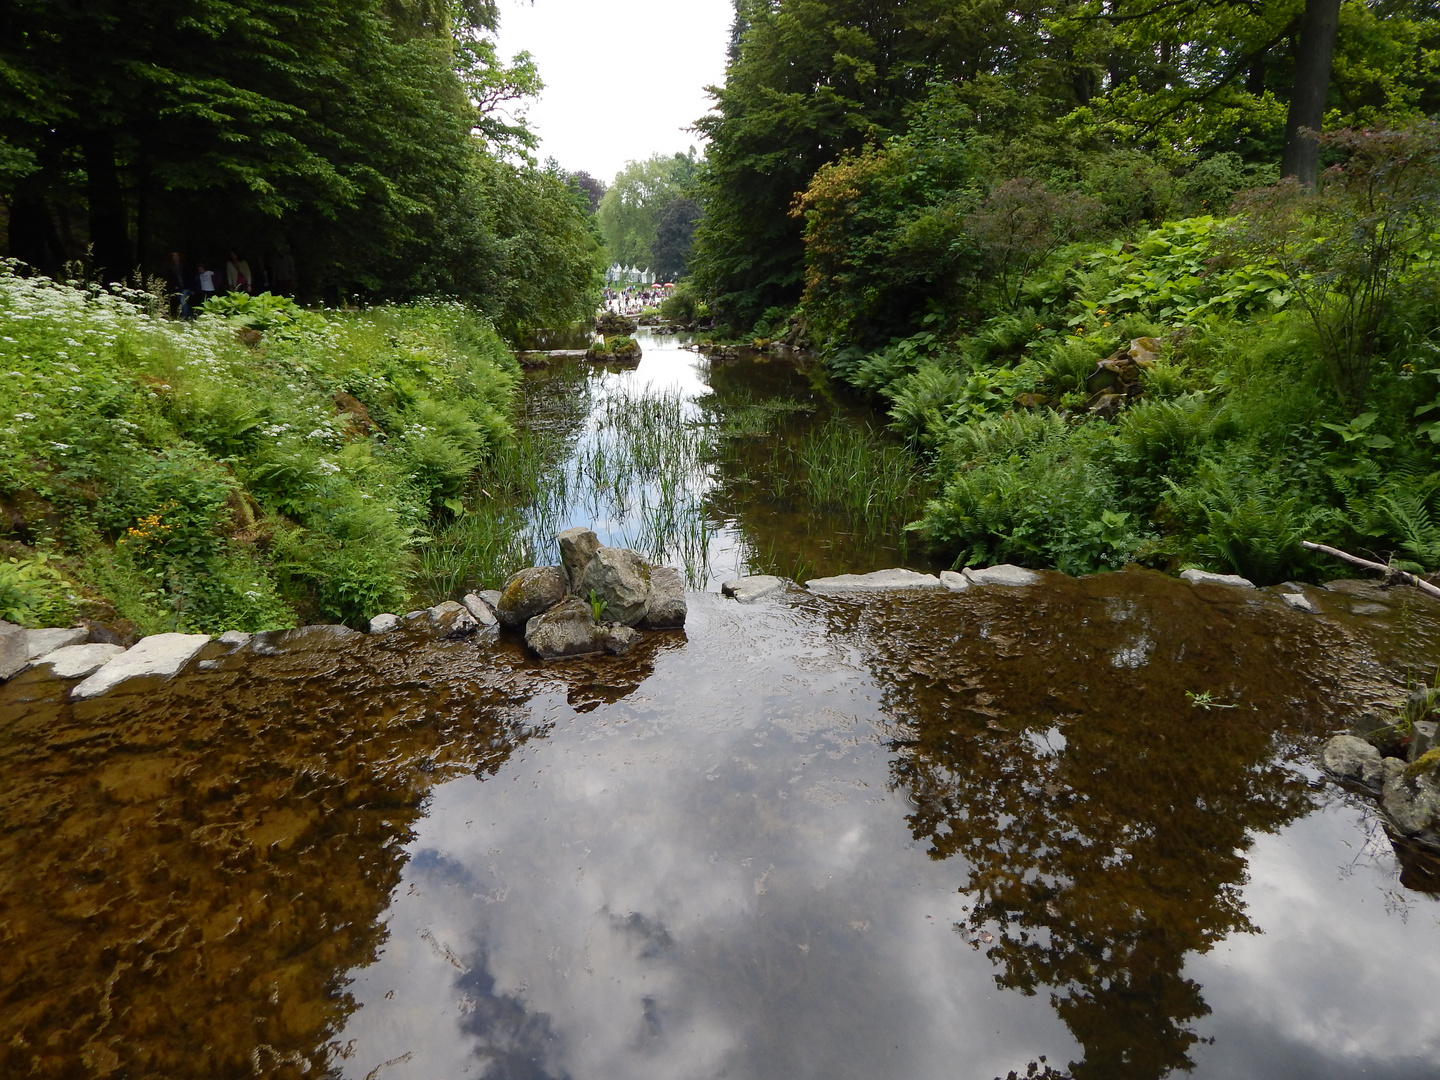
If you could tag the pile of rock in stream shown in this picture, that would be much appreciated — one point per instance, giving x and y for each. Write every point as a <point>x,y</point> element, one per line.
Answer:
<point>1399,766</point>
<point>597,600</point>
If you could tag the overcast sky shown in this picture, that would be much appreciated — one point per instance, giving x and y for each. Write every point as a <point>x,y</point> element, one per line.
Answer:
<point>622,81</point>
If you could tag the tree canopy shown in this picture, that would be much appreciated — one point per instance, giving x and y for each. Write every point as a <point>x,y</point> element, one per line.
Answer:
<point>376,140</point>
<point>1050,87</point>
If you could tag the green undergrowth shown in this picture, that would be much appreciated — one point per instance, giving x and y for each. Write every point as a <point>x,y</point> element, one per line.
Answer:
<point>1248,434</point>
<point>256,468</point>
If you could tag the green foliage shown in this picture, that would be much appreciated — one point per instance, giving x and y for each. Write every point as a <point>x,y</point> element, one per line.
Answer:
<point>1357,249</point>
<point>209,484</point>
<point>884,230</point>
<point>1032,493</point>
<point>1245,522</point>
<point>34,593</point>
<point>682,305</point>
<point>631,208</point>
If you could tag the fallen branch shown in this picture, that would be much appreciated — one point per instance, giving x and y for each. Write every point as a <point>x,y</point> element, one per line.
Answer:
<point>1389,571</point>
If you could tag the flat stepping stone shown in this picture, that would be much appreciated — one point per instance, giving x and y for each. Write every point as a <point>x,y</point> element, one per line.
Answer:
<point>161,655</point>
<point>878,581</point>
<point>756,587</point>
<point>1001,574</point>
<point>1204,577</point>
<point>79,661</point>
<point>43,642</point>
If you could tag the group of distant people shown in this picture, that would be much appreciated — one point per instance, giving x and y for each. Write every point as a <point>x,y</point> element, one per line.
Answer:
<point>192,286</point>
<point>634,299</point>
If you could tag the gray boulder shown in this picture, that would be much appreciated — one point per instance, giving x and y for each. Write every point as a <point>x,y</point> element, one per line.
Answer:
<point>14,649</point>
<point>755,587</point>
<point>953,581</point>
<point>79,661</point>
<point>234,639</point>
<point>1348,757</point>
<point>666,607</point>
<point>878,581</point>
<point>491,597</point>
<point>577,548</point>
<point>452,620</point>
<point>529,593</point>
<point>42,642</point>
<point>160,656</point>
<point>1412,803</point>
<point>1204,577</point>
<point>1001,574</point>
<point>483,612</point>
<point>621,578</point>
<point>383,624</point>
<point>569,629</point>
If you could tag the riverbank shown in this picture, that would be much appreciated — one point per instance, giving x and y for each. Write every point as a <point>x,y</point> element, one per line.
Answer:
<point>260,467</point>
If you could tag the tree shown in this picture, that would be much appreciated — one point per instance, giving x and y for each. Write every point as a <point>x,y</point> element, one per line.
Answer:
<point>674,233</point>
<point>1314,55</point>
<point>629,212</point>
<point>356,135</point>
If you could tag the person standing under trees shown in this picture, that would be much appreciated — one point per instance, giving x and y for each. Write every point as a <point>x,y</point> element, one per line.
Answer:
<point>237,274</point>
<point>205,277</point>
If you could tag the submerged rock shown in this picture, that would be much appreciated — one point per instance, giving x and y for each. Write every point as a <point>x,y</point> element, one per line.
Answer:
<point>666,607</point>
<point>620,578</point>
<point>955,582</point>
<point>756,587</point>
<point>1001,574</point>
<point>161,655</point>
<point>531,592</point>
<point>302,639</point>
<point>879,580</point>
<point>79,661</point>
<point>1204,577</point>
<point>569,629</point>
<point>452,620</point>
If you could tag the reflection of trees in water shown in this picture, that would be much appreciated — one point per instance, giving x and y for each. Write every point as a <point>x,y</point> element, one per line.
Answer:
<point>187,874</point>
<point>1099,820</point>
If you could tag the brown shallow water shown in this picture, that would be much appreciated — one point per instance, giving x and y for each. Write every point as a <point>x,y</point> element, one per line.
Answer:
<point>937,836</point>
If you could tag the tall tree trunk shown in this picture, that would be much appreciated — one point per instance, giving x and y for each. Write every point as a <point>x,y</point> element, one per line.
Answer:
<point>109,227</point>
<point>1318,28</point>
<point>34,239</point>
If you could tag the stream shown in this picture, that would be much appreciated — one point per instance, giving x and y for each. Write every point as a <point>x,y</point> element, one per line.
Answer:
<point>1073,829</point>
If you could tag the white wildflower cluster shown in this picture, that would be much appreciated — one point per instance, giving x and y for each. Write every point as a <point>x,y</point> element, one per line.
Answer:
<point>328,468</point>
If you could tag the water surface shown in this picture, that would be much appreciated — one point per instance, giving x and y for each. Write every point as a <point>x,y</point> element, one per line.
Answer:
<point>911,836</point>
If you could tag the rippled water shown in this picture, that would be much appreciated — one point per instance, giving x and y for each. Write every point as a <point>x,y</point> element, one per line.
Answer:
<point>905,836</point>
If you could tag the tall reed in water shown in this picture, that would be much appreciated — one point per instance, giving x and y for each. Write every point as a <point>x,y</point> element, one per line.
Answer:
<point>853,471</point>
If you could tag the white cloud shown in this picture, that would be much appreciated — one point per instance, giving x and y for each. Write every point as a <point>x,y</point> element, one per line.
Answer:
<point>622,81</point>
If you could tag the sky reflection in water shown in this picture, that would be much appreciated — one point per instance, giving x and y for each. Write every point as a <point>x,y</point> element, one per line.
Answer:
<point>715,877</point>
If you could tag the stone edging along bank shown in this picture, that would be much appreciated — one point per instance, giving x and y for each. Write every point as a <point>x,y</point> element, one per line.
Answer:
<point>598,600</point>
